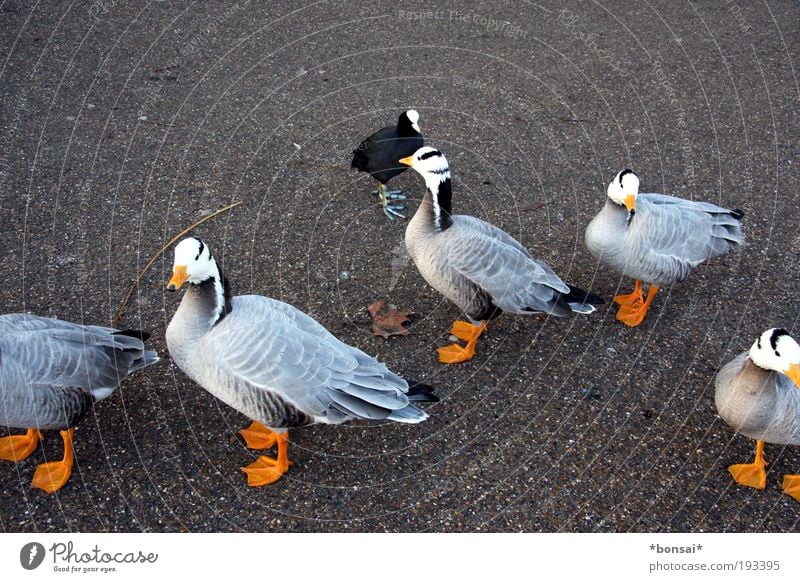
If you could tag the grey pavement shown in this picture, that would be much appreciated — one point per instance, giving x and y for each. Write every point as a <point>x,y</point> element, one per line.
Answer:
<point>124,122</point>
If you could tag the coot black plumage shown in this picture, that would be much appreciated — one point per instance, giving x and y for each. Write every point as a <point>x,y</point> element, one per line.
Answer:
<point>378,155</point>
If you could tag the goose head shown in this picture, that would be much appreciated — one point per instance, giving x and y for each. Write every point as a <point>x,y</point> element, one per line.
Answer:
<point>193,263</point>
<point>776,350</point>
<point>623,190</point>
<point>431,164</point>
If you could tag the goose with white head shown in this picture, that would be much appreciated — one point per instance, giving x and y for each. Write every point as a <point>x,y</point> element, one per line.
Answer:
<point>656,239</point>
<point>758,395</point>
<point>275,364</point>
<point>477,266</point>
<point>52,372</point>
<point>378,155</point>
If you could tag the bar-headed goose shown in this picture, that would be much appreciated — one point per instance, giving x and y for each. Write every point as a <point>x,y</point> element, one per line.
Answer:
<point>378,155</point>
<point>477,266</point>
<point>758,395</point>
<point>656,239</point>
<point>275,364</point>
<point>51,373</point>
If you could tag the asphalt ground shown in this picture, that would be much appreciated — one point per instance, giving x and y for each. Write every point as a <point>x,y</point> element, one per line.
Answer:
<point>125,122</point>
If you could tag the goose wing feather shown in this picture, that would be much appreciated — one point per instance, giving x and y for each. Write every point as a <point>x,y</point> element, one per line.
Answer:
<point>269,345</point>
<point>673,236</point>
<point>501,266</point>
<point>50,352</point>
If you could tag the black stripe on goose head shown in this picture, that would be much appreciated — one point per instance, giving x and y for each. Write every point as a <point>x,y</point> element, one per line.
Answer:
<point>430,154</point>
<point>773,339</point>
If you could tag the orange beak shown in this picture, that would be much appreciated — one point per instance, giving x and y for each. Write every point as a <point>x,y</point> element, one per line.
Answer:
<point>630,203</point>
<point>407,161</point>
<point>794,373</point>
<point>179,277</point>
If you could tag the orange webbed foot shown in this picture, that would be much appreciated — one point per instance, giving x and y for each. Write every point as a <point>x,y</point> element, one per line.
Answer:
<point>791,486</point>
<point>631,317</point>
<point>455,354</point>
<point>50,477</point>
<point>257,436</point>
<point>749,474</point>
<point>266,470</point>
<point>632,300</point>
<point>752,474</point>
<point>18,447</point>
<point>465,331</point>
<point>633,306</point>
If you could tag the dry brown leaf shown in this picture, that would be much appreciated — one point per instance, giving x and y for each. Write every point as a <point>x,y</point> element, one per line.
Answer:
<point>386,320</point>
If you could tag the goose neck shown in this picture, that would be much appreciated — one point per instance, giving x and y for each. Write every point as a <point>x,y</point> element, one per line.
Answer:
<point>207,303</point>
<point>439,199</point>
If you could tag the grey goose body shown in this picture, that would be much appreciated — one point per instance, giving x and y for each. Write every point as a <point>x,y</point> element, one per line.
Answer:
<point>482,269</point>
<point>53,371</point>
<point>275,364</point>
<point>51,374</point>
<point>760,404</point>
<point>280,367</point>
<point>758,395</point>
<point>664,240</point>
<point>656,239</point>
<point>477,266</point>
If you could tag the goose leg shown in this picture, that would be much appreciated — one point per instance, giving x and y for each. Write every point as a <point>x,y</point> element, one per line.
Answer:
<point>455,353</point>
<point>17,447</point>
<point>391,209</point>
<point>258,436</point>
<point>752,474</point>
<point>51,477</point>
<point>266,470</point>
<point>791,486</point>
<point>633,306</point>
